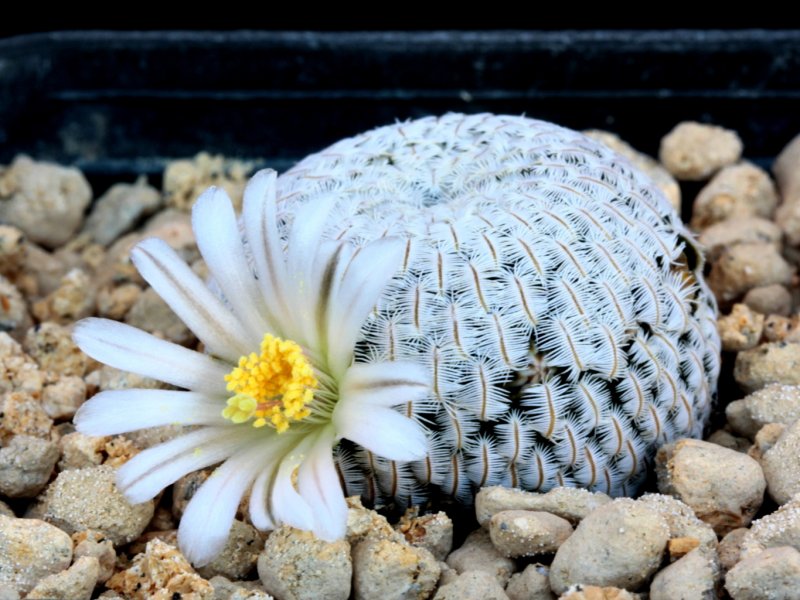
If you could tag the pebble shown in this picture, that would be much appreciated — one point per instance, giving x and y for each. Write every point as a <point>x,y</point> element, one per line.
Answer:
<point>160,573</point>
<point>618,544</point>
<point>240,554</point>
<point>739,230</point>
<point>41,271</point>
<point>730,548</point>
<point>185,180</point>
<point>76,583</point>
<point>175,228</point>
<point>740,190</point>
<point>23,415</point>
<point>571,504</point>
<point>786,168</point>
<point>150,313</point>
<point>227,590</point>
<point>12,250</point>
<point>693,576</point>
<point>44,200</point>
<point>774,403</point>
<point>787,216</point>
<point>73,300</point>
<point>680,519</point>
<point>780,528</point>
<point>727,440</point>
<point>14,316</point>
<point>725,488</point>
<point>385,569</point>
<point>472,585</point>
<point>118,210</point>
<point>594,592</point>
<point>95,544</point>
<point>742,267</point>
<point>88,499</point>
<point>518,533</point>
<point>779,329</point>
<point>772,299</point>
<point>478,553</point>
<point>363,522</point>
<point>765,439</point>
<point>695,151</point>
<point>775,362</point>
<point>184,489</point>
<point>51,346</point>
<point>531,584</point>
<point>31,549</point>
<point>62,398</point>
<point>25,466</point>
<point>79,451</point>
<point>773,573</point>
<point>295,565</point>
<point>114,302</point>
<point>741,329</point>
<point>433,532</point>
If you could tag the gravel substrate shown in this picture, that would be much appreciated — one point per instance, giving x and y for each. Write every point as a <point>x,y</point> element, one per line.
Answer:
<point>721,519</point>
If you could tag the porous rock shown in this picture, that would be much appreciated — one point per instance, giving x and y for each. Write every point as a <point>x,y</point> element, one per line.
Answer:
<point>741,190</point>
<point>739,230</point>
<point>775,362</point>
<point>571,504</point>
<point>772,299</point>
<point>527,533</point>
<point>780,528</point>
<point>25,466</point>
<point>79,450</point>
<point>14,316</point>
<point>23,415</point>
<point>62,398</point>
<point>72,300</point>
<point>150,313</point>
<point>726,439</point>
<point>693,576</point>
<point>694,151</point>
<point>95,544</point>
<point>185,180</point>
<point>742,267</point>
<point>595,592</point>
<point>618,544</point>
<point>76,583</point>
<point>730,548</point>
<point>774,403</point>
<point>680,519</point>
<point>363,522</point>
<point>385,569</point>
<point>118,210</point>
<point>434,532</point>
<point>12,250</point>
<point>31,549</point>
<point>239,555</point>
<point>477,553</point>
<point>531,584</point>
<point>472,585</point>
<point>51,346</point>
<point>781,465</point>
<point>225,589</point>
<point>114,301</point>
<point>773,573</point>
<point>741,329</point>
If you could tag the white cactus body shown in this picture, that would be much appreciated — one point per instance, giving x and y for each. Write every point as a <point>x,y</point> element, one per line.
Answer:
<point>554,296</point>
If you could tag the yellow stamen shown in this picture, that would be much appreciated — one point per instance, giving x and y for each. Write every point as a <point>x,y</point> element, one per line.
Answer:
<point>274,387</point>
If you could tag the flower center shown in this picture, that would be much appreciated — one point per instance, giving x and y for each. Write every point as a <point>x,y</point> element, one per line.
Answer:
<point>273,387</point>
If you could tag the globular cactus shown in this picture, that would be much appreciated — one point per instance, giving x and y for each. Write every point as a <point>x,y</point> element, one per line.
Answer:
<point>551,292</point>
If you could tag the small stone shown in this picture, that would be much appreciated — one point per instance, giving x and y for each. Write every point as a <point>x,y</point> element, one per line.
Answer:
<point>746,266</point>
<point>773,574</point>
<point>618,544</point>
<point>741,329</point>
<point>741,190</point>
<point>25,466</point>
<point>385,569</point>
<point>88,499</point>
<point>478,553</point>
<point>779,329</point>
<point>150,313</point>
<point>781,465</point>
<point>185,488</point>
<point>79,451</point>
<point>681,520</point>
<point>772,299</point>
<point>780,528</point>
<point>12,250</point>
<point>227,590</point>
<point>30,550</point>
<point>594,592</point>
<point>775,403</point>
<point>44,200</point>
<point>677,548</point>
<point>95,544</point>
<point>51,346</point>
<point>787,216</point>
<point>571,504</point>
<point>531,584</point>
<point>739,230</point>
<point>448,575</point>
<point>723,438</point>
<point>695,151</point>
<point>185,180</point>
<point>730,548</point>
<point>41,271</point>
<point>160,573</point>
<point>433,532</point>
<point>175,228</point>
<point>62,398</point>
<point>472,585</point>
<point>296,565</point>
<point>22,414</point>
<point>693,576</point>
<point>765,439</point>
<point>724,488</point>
<point>76,583</point>
<point>14,317</point>
<point>239,555</point>
<point>363,522</point>
<point>776,362</point>
<point>139,545</point>
<point>114,302</point>
<point>163,519</point>
<point>527,533</point>
<point>786,168</point>
<point>74,299</point>
<point>118,210</point>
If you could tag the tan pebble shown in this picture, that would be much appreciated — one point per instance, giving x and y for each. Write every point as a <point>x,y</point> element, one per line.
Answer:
<point>477,553</point>
<point>88,499</point>
<point>12,250</point>
<point>119,450</point>
<point>724,488</point>
<point>765,439</point>
<point>152,436</point>
<point>31,549</point>
<point>695,151</point>
<point>774,362</point>
<point>781,465</point>
<point>741,329</point>
<point>787,216</point>
<point>363,522</point>
<point>25,466</point>
<point>726,439</point>
<point>150,313</point>
<point>96,544</point>
<point>739,230</point>
<point>730,548</point>
<point>774,403</point>
<point>76,583</point>
<point>51,346</point>
<point>160,573</point>
<point>527,533</point>
<point>772,299</point>
<point>23,415</point>
<point>385,569</point>
<point>433,532</point>
<point>44,200</point>
<point>74,299</point>
<point>239,555</point>
<point>693,576</point>
<point>571,504</point>
<point>780,528</point>
<point>741,190</point>
<point>41,271</point>
<point>118,210</point>
<point>742,267</point>
<point>79,451</point>
<point>175,228</point>
<point>185,180</point>
<point>680,547</point>
<point>139,545</point>
<point>447,575</point>
<point>778,328</point>
<point>14,316</point>
<point>22,374</point>
<point>786,168</point>
<point>163,519</point>
<point>773,574</point>
<point>619,544</point>
<point>63,397</point>
<point>680,519</point>
<point>531,584</point>
<point>295,565</point>
<point>114,302</point>
<point>185,488</point>
<point>225,589</point>
<point>472,585</point>
<point>594,592</point>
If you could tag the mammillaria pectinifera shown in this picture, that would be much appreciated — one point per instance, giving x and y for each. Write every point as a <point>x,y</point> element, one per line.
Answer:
<point>445,303</point>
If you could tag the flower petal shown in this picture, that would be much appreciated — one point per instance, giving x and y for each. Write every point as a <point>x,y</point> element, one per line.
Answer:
<point>150,471</point>
<point>380,430</point>
<point>387,383</point>
<point>260,515</point>
<point>201,311</point>
<point>288,506</point>
<point>119,411</point>
<point>319,485</point>
<point>208,517</point>
<point>220,243</point>
<point>130,349</point>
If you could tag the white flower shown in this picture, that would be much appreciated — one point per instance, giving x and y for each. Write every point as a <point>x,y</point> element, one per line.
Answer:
<point>277,387</point>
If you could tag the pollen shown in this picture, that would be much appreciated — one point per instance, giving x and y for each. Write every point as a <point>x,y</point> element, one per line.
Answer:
<point>274,387</point>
